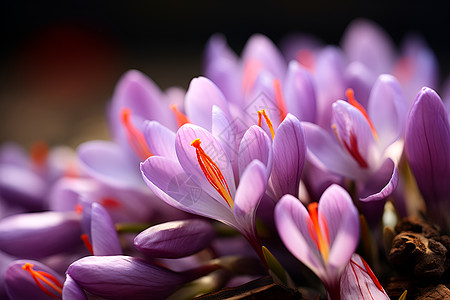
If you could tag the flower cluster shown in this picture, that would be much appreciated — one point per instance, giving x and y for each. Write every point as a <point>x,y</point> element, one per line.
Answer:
<point>272,161</point>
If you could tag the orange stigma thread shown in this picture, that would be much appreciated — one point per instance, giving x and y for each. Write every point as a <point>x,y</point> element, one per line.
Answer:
<point>179,116</point>
<point>134,136</point>
<point>46,278</point>
<point>279,98</point>
<point>251,71</point>
<point>262,113</point>
<point>322,242</point>
<point>110,202</point>
<point>87,243</point>
<point>354,151</point>
<point>351,99</point>
<point>39,153</point>
<point>306,58</point>
<point>212,173</point>
<point>367,270</point>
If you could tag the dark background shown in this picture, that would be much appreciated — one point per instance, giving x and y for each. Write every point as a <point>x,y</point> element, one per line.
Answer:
<point>59,61</point>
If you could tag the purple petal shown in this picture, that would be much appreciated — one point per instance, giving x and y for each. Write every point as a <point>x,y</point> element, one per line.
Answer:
<point>175,239</point>
<point>255,145</point>
<point>72,290</point>
<point>260,48</point>
<point>342,219</point>
<point>23,235</point>
<point>288,157</point>
<point>13,154</point>
<point>123,277</point>
<point>188,158</point>
<point>169,182</point>
<point>109,163</point>
<point>361,79</point>
<point>427,145</point>
<point>105,240</point>
<point>358,282</point>
<point>200,98</point>
<point>366,42</point>
<point>299,93</point>
<point>387,110</point>
<point>20,284</point>
<point>160,139</point>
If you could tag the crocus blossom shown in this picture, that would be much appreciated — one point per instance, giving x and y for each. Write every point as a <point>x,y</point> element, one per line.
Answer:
<point>324,236</point>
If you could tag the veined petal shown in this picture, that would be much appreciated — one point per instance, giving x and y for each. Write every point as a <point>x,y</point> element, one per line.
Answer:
<point>104,235</point>
<point>160,139</point>
<point>291,219</point>
<point>72,290</point>
<point>289,151</point>
<point>200,98</point>
<point>387,110</point>
<point>299,93</point>
<point>188,159</point>
<point>175,239</point>
<point>255,145</point>
<point>109,163</point>
<point>124,277</point>
<point>427,145</point>
<point>167,179</point>
<point>342,220</point>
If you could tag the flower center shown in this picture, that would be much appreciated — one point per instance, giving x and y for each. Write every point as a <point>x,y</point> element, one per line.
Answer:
<point>262,113</point>
<point>135,137</point>
<point>320,238</point>
<point>180,118</point>
<point>351,99</point>
<point>212,173</point>
<point>52,284</point>
<point>279,98</point>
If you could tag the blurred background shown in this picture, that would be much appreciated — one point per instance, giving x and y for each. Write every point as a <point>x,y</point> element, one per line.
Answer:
<point>59,61</point>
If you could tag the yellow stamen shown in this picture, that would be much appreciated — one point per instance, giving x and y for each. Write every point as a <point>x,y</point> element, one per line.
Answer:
<point>179,116</point>
<point>46,278</point>
<point>262,113</point>
<point>351,99</point>
<point>212,173</point>
<point>134,136</point>
<point>322,242</point>
<point>279,98</point>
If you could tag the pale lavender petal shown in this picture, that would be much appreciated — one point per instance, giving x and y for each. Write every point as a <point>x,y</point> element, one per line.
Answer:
<point>188,158</point>
<point>123,277</point>
<point>23,235</point>
<point>387,110</point>
<point>299,93</point>
<point>324,150</point>
<point>289,151</point>
<point>255,145</point>
<point>366,42</point>
<point>160,139</point>
<point>359,282</point>
<point>65,194</point>
<point>342,222</point>
<point>20,285</point>
<point>352,126</point>
<point>248,195</point>
<point>330,84</point>
<point>427,145</point>
<point>361,79</point>
<point>13,154</point>
<point>109,163</point>
<point>175,239</point>
<point>262,49</point>
<point>169,182</point>
<point>200,98</point>
<point>105,240</point>
<point>72,290</point>
<point>291,219</point>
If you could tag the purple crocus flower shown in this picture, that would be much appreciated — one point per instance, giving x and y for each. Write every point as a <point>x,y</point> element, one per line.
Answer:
<point>202,181</point>
<point>27,279</point>
<point>124,277</point>
<point>324,236</point>
<point>427,150</point>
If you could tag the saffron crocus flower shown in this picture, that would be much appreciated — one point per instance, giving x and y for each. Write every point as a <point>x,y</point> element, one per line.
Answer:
<point>324,236</point>
<point>202,181</point>
<point>124,277</point>
<point>427,150</point>
<point>359,282</point>
<point>28,279</point>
